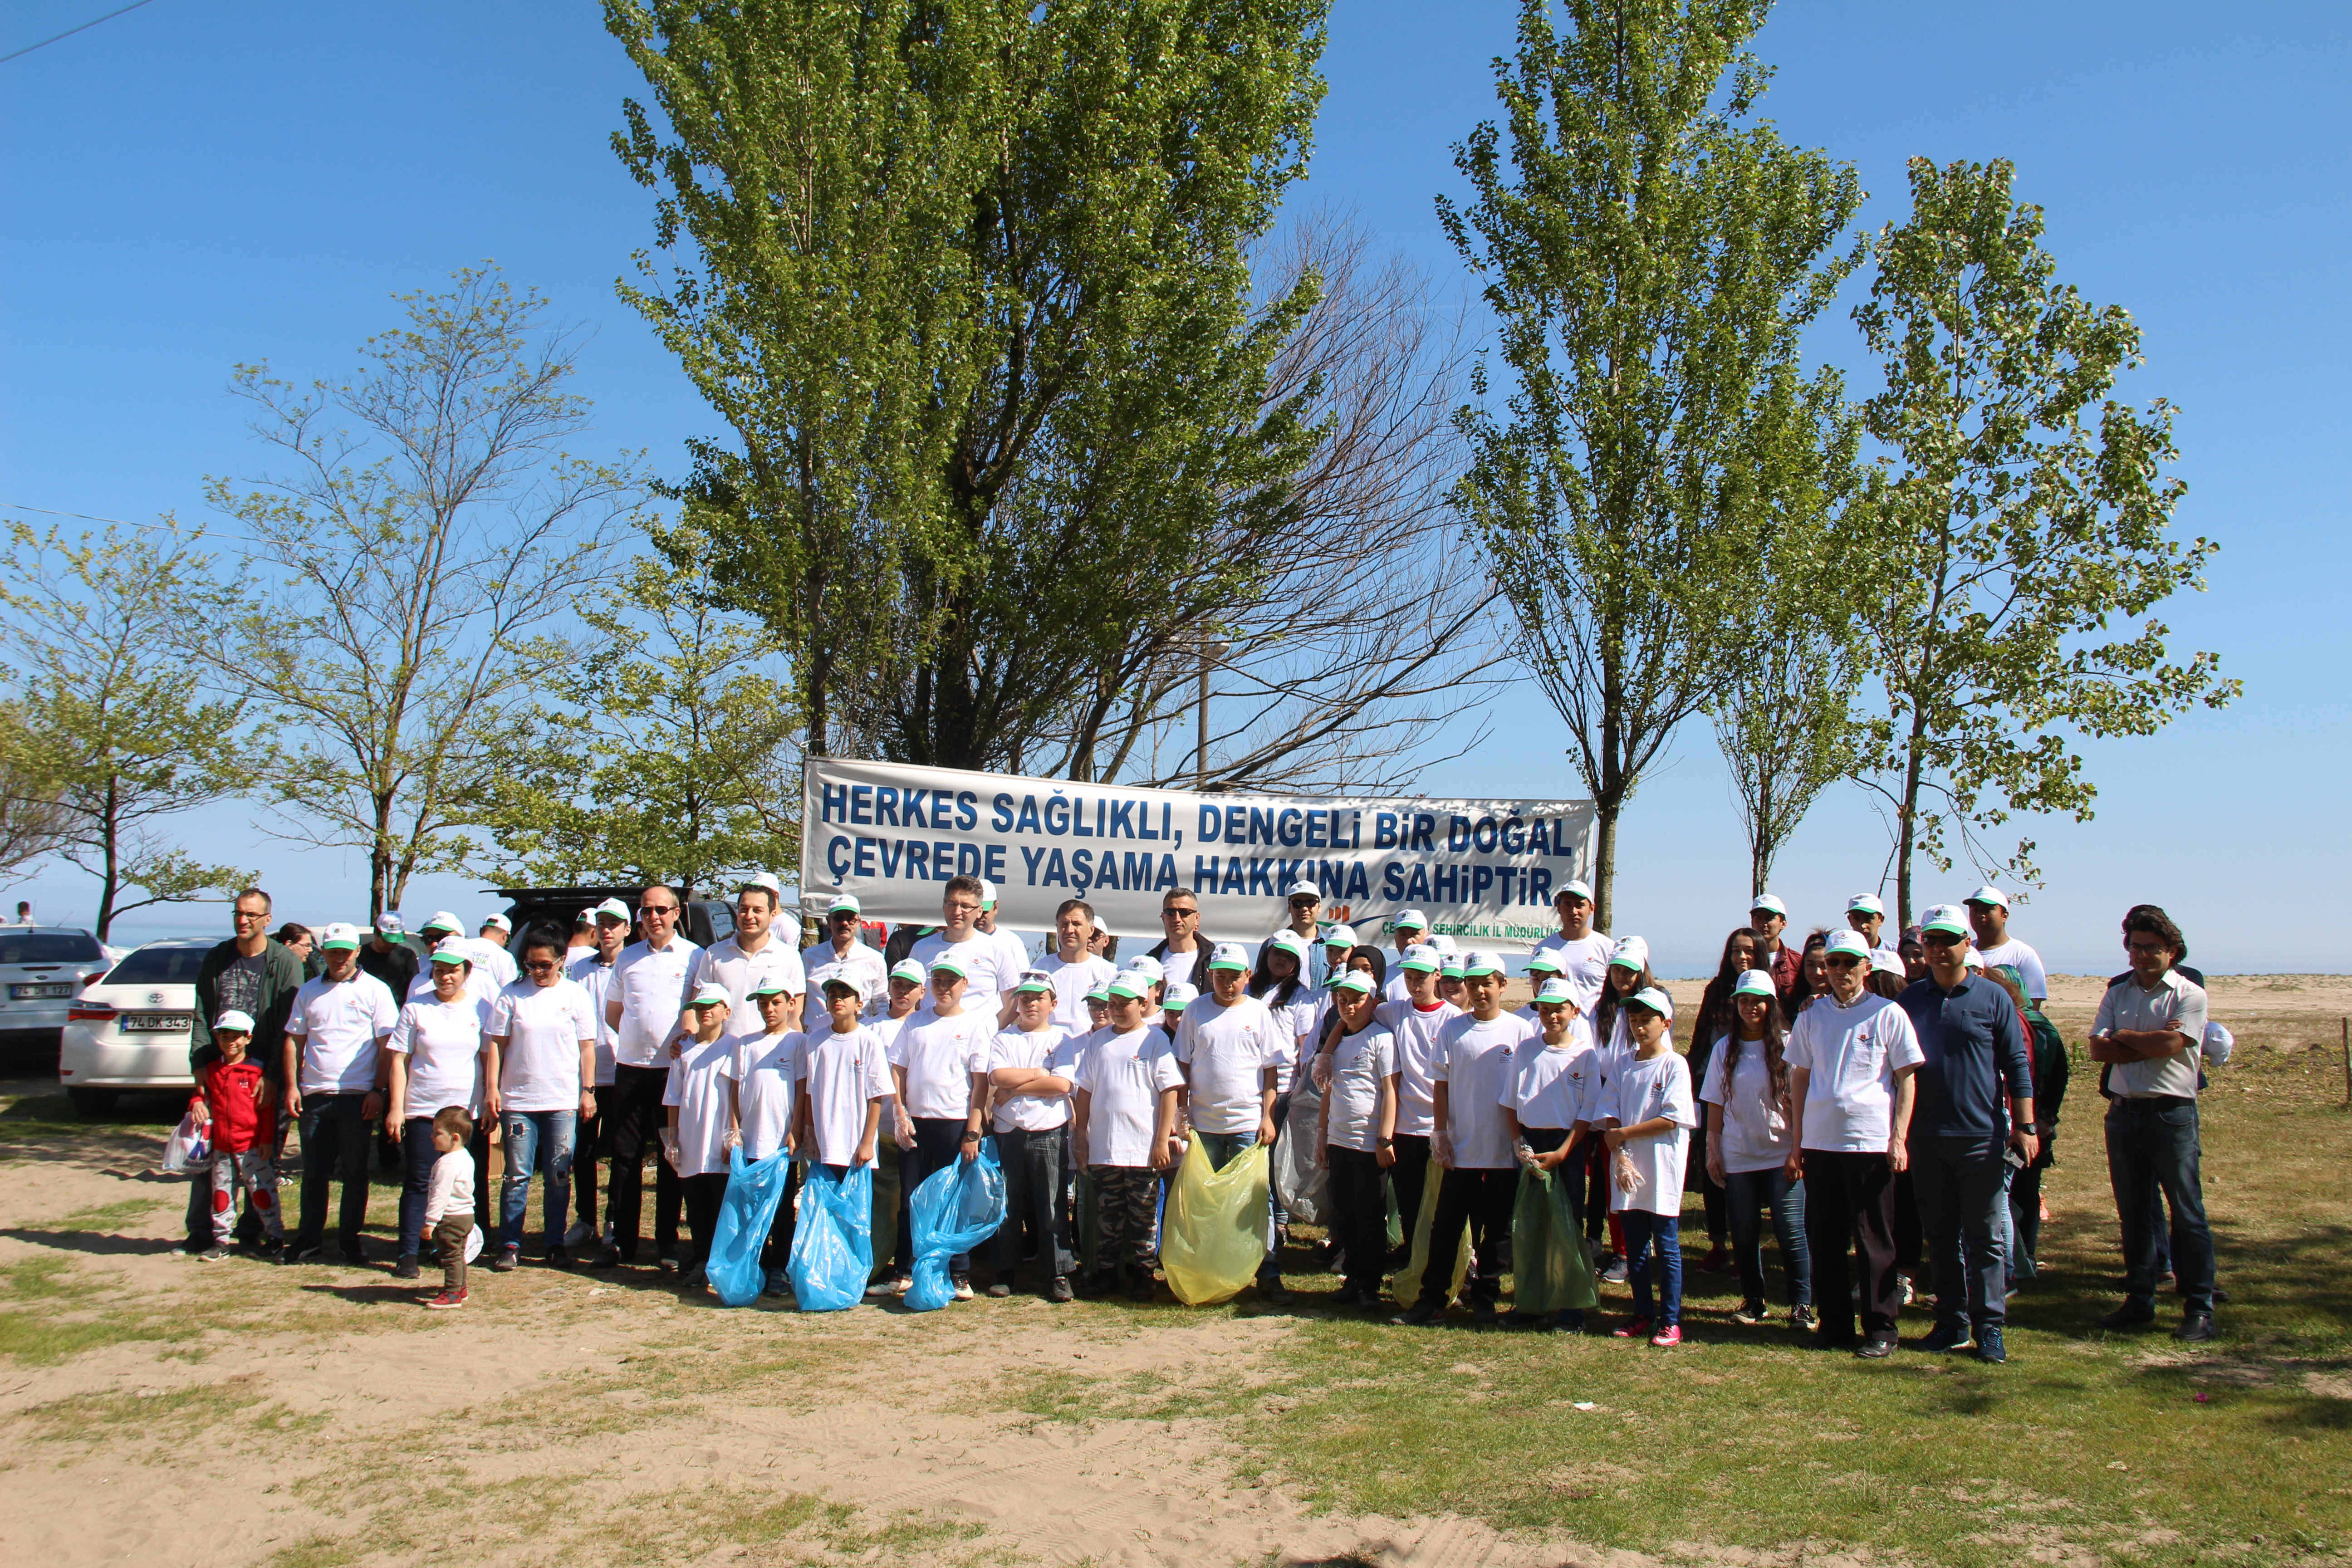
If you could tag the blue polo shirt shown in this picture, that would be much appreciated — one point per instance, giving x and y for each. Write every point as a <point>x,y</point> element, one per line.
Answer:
<point>1975,1047</point>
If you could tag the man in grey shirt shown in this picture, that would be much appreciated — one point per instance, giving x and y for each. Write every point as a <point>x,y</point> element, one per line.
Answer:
<point>2150,1031</point>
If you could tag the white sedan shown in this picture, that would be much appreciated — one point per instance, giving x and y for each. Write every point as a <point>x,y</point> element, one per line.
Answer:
<point>129,1030</point>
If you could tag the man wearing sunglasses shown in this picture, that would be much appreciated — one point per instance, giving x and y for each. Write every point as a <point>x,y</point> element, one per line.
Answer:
<point>1182,955</point>
<point>644,1003</point>
<point>844,956</point>
<point>1972,1045</point>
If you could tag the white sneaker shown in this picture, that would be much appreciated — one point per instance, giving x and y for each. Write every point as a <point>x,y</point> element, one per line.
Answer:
<point>963,1291</point>
<point>579,1235</point>
<point>1906,1281</point>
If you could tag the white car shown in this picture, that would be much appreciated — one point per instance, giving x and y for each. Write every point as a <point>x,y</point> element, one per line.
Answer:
<point>129,1030</point>
<point>42,970</point>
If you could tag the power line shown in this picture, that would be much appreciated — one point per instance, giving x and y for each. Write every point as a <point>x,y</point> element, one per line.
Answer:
<point>69,32</point>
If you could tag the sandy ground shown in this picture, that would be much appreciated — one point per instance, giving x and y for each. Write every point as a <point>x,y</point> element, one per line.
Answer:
<point>316,1415</point>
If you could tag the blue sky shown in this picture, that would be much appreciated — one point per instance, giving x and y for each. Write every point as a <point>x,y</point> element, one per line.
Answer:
<point>190,185</point>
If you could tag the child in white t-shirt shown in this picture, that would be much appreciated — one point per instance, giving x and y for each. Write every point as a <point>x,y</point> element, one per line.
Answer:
<point>766,1077</point>
<point>449,1201</point>
<point>1648,1114</point>
<point>1029,1070</point>
<point>700,1095</point>
<point>1547,1109</point>
<point>1359,1138</point>
<point>1123,1104</point>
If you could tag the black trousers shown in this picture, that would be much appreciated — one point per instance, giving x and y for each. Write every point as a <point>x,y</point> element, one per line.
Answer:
<point>1483,1200</point>
<point>632,1126</point>
<point>1359,1215</point>
<point>778,1253</point>
<point>587,1148</point>
<point>939,1143</point>
<point>1126,1207</point>
<point>1850,1204</point>
<point>1033,1192</point>
<point>1406,1179</point>
<point>705,1195</point>
<point>1596,1187</point>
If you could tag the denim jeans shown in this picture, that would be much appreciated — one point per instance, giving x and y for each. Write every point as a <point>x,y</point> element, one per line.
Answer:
<point>1032,1193</point>
<point>1963,1204</point>
<point>1749,1191</point>
<point>1223,1147</point>
<point>416,1157</point>
<point>537,1138</point>
<point>334,1149</point>
<point>1646,1233</point>
<point>2152,1148</point>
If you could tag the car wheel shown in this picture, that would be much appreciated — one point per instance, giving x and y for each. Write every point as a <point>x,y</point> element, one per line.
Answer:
<point>90,1102</point>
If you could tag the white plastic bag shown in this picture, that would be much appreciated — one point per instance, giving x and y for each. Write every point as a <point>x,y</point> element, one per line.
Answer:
<point>189,1148</point>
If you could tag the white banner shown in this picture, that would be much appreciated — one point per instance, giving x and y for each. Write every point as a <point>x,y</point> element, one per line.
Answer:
<point>1483,871</point>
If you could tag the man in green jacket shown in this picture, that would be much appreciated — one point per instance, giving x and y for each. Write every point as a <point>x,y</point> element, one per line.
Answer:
<point>257,975</point>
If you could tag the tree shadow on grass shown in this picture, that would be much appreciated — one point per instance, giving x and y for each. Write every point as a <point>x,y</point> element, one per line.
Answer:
<point>93,1243</point>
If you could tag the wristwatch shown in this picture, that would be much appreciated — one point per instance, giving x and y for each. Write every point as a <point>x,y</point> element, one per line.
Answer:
<point>1385,1144</point>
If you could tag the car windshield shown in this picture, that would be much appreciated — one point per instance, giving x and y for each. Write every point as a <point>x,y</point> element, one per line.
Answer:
<point>158,966</point>
<point>49,947</point>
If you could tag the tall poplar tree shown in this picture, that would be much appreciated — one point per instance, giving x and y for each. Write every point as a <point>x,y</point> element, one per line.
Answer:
<point>1651,255</point>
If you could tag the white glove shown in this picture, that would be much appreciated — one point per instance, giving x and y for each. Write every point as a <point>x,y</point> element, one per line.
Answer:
<point>1319,1069</point>
<point>1441,1149</point>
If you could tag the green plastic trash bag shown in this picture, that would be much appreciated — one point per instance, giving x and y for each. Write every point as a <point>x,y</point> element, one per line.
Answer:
<point>1550,1267</point>
<point>1214,1233</point>
<point>1406,1285</point>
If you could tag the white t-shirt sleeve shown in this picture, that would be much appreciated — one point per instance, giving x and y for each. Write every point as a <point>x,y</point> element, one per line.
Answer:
<point>1902,1041</point>
<point>1678,1107</point>
<point>1714,1090</point>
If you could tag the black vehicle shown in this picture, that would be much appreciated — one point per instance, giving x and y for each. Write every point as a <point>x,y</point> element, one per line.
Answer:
<point>708,920</point>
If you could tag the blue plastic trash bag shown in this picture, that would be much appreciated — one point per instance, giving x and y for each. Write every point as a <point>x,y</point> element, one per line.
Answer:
<point>957,1207</point>
<point>832,1244</point>
<point>753,1191</point>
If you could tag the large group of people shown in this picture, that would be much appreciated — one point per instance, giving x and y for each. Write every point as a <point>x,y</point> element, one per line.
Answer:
<point>1887,1101</point>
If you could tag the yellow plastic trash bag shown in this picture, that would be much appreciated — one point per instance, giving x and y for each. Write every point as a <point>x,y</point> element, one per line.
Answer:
<point>1406,1284</point>
<point>1214,1235</point>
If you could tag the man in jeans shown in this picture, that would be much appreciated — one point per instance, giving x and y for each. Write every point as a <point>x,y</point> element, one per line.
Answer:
<point>258,976</point>
<point>1973,1048</point>
<point>1231,1048</point>
<point>2150,1029</point>
<point>334,1072</point>
<point>646,996</point>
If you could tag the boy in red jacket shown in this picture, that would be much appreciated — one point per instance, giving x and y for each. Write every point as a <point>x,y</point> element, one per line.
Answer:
<point>232,1101</point>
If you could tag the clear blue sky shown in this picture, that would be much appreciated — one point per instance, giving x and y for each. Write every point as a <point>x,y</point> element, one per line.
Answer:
<point>192,185</point>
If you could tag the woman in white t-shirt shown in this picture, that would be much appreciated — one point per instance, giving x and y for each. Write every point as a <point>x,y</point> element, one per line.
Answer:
<point>1648,1112</point>
<point>1750,1135</point>
<point>435,1060</point>
<point>1358,1138</point>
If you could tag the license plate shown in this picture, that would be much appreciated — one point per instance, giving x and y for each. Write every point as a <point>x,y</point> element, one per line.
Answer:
<point>40,993</point>
<point>157,1023</point>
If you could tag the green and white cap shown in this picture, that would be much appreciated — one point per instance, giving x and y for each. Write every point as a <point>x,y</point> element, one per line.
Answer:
<point>1755,983</point>
<point>906,969</point>
<point>1412,919</point>
<point>1424,958</point>
<point>444,922</point>
<point>449,952</point>
<point>709,997</point>
<point>1847,944</point>
<point>1132,983</point>
<point>339,937</point>
<point>1865,904</point>
<point>1035,982</point>
<point>1450,967</point>
<point>1289,941</point>
<point>1544,963</point>
<point>1229,955</point>
<point>1556,993</point>
<point>1178,996</point>
<point>1630,953</point>
<point>1950,920</point>
<point>1100,993</point>
<point>1478,962</point>
<point>1353,980</point>
<point>948,963</point>
<point>1766,902</point>
<point>1656,999</point>
<point>1340,936</point>
<point>845,904</point>
<point>769,985</point>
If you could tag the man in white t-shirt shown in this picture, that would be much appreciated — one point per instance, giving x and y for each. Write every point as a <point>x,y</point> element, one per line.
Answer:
<point>592,971</point>
<point>1988,922</point>
<point>979,957</point>
<point>1231,1049</point>
<point>490,949</point>
<point>334,1057</point>
<point>1471,1140</point>
<point>1029,1070</point>
<point>940,1064</point>
<point>1011,954</point>
<point>646,997</point>
<point>1850,1057</point>
<point>845,955</point>
<point>1582,952</point>
<point>1073,967</point>
<point>755,952</point>
<point>542,1082</point>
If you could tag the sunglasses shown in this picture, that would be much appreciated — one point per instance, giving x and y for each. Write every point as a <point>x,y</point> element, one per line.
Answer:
<point>541,966</point>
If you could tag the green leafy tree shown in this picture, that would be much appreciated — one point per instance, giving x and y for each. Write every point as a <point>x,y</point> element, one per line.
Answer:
<point>414,560</point>
<point>1651,258</point>
<point>2021,537</point>
<point>106,724</point>
<point>973,298</point>
<point>661,750</point>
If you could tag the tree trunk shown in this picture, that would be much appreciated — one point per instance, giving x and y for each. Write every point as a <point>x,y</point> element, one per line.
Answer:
<point>110,882</point>
<point>1604,859</point>
<point>1906,818</point>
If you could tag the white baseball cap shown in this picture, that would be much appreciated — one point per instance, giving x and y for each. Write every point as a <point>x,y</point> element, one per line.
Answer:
<point>1656,999</point>
<point>762,879</point>
<point>906,969</point>
<point>1229,955</point>
<point>1755,983</point>
<point>1035,981</point>
<point>1480,963</point>
<point>1441,943</point>
<point>1303,888</point>
<point>1340,936</point>
<point>1412,919</point>
<point>1848,943</point>
<point>444,920</point>
<point>233,1018</point>
<point>1630,953</point>
<point>612,908</point>
<point>1353,980</point>
<point>1989,894</point>
<point>1574,888</point>
<point>1556,991</point>
<point>1421,956</point>
<point>1133,984</point>
<point>710,997</point>
<point>1767,902</point>
<point>339,935</point>
<point>1289,941</point>
<point>987,894</point>
<point>1145,965</point>
<point>1544,961</point>
<point>1178,996</point>
<point>1972,959</point>
<point>1865,904</point>
<point>1885,963</point>
<point>845,904</point>
<point>389,923</point>
<point>499,921</point>
<point>1946,919</point>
